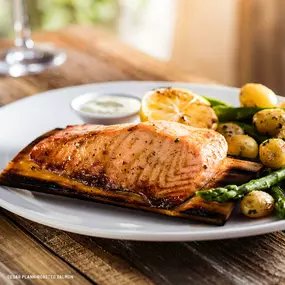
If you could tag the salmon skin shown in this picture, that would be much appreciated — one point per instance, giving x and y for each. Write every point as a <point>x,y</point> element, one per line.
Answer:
<point>150,166</point>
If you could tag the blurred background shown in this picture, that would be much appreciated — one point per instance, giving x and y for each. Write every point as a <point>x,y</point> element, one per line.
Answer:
<point>230,41</point>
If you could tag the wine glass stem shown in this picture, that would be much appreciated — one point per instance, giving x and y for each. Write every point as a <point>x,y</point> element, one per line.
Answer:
<point>21,25</point>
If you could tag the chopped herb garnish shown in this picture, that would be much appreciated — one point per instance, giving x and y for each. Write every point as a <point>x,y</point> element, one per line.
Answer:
<point>250,212</point>
<point>176,140</point>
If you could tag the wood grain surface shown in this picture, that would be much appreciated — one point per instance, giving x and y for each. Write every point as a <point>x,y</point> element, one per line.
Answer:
<point>30,248</point>
<point>21,254</point>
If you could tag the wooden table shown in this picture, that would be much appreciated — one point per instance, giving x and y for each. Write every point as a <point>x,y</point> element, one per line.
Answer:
<point>29,248</point>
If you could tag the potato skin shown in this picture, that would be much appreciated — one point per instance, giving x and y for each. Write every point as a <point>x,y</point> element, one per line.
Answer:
<point>243,146</point>
<point>272,153</point>
<point>229,129</point>
<point>269,121</point>
<point>281,133</point>
<point>257,204</point>
<point>257,95</point>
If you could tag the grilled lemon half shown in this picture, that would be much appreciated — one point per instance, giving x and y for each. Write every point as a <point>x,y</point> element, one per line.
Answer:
<point>178,105</point>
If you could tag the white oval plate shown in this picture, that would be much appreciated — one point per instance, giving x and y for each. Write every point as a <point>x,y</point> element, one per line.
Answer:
<point>24,120</point>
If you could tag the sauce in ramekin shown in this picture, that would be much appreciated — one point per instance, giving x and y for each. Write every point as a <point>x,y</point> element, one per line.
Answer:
<point>111,105</point>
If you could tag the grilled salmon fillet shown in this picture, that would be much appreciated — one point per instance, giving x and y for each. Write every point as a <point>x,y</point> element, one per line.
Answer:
<point>163,162</point>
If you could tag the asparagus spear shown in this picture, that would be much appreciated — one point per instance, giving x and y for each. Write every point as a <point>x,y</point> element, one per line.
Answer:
<point>279,199</point>
<point>226,114</point>
<point>215,102</point>
<point>251,131</point>
<point>229,192</point>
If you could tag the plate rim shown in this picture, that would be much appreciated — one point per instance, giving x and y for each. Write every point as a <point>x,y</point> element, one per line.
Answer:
<point>223,233</point>
<point>45,93</point>
<point>227,233</point>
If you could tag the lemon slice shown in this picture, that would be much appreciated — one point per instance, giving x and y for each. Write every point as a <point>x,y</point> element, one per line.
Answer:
<point>178,105</point>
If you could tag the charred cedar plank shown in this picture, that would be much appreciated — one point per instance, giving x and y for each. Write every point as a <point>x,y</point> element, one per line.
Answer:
<point>23,173</point>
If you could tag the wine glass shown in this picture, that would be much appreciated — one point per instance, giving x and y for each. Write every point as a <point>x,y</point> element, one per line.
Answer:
<point>26,57</point>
